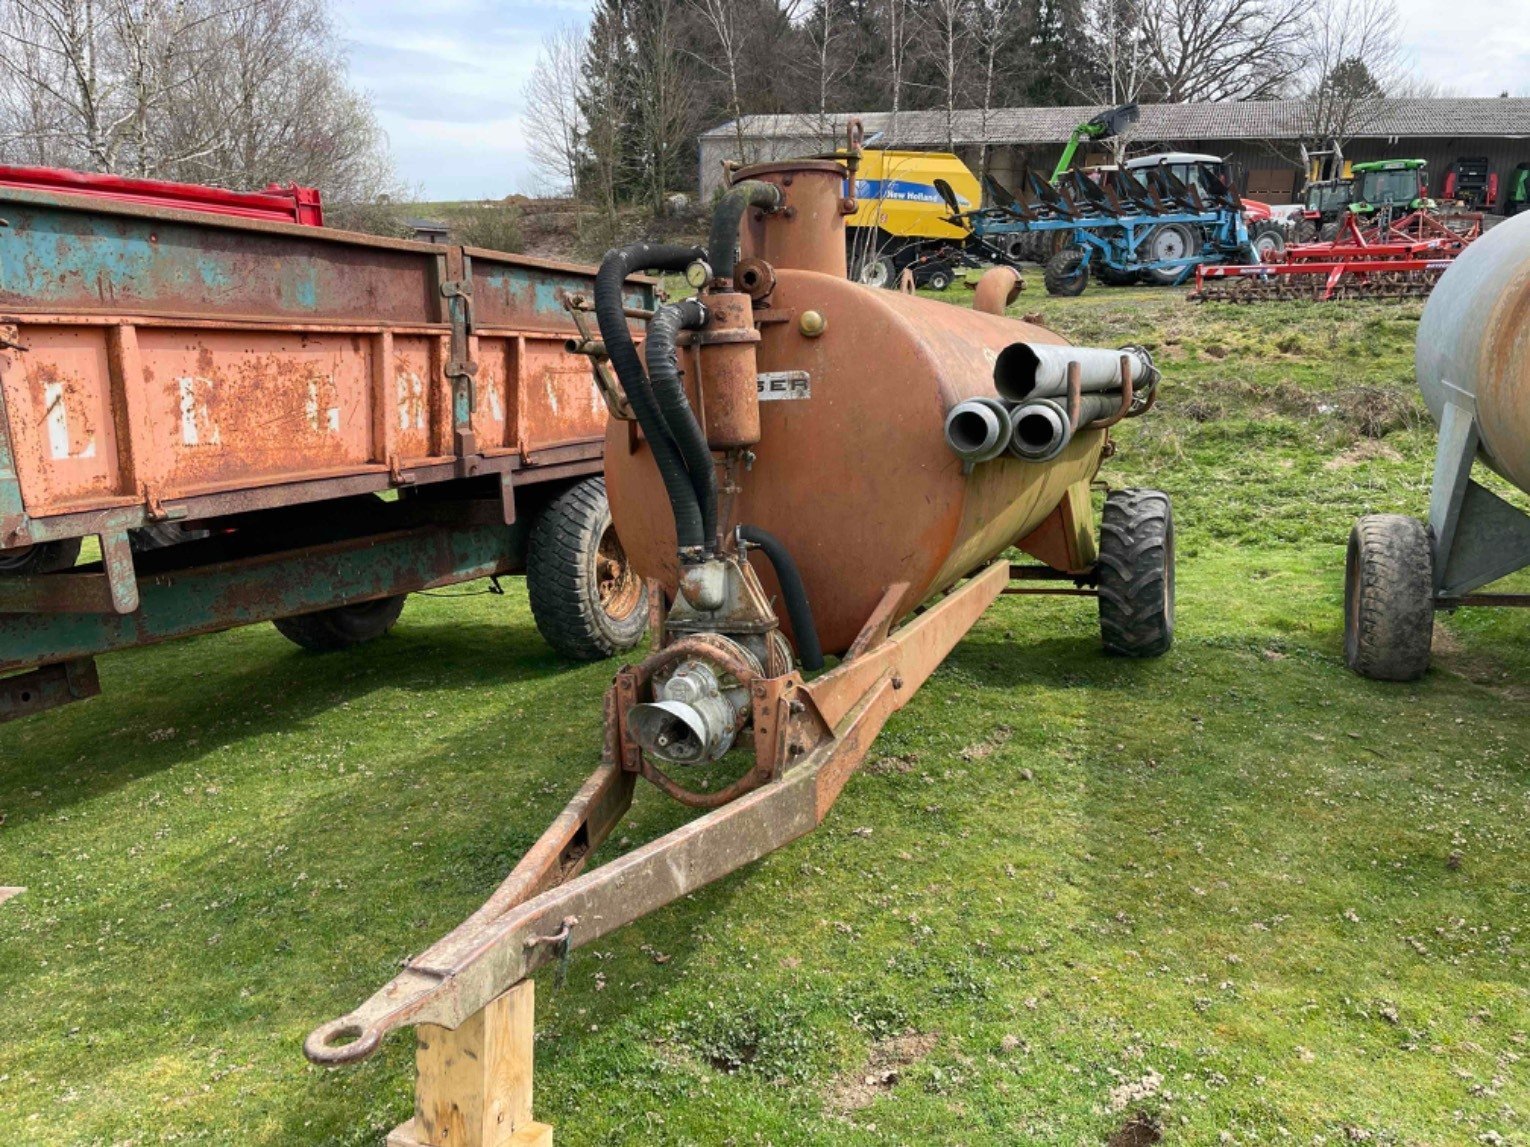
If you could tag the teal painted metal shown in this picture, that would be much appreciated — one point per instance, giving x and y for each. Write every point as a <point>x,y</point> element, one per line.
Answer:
<point>218,597</point>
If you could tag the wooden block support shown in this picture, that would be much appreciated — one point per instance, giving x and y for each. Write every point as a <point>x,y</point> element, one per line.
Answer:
<point>473,1084</point>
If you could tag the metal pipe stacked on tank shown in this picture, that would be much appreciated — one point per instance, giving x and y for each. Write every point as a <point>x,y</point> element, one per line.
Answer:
<point>1030,418</point>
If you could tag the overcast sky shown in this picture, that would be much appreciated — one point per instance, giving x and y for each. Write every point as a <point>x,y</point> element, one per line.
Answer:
<point>447,80</point>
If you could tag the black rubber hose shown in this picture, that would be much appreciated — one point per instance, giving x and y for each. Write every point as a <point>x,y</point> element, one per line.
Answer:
<point>664,379</point>
<point>622,351</point>
<point>729,213</point>
<point>793,594</point>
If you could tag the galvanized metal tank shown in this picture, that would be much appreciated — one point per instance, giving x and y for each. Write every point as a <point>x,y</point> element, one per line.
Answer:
<point>855,475</point>
<point>1475,336</point>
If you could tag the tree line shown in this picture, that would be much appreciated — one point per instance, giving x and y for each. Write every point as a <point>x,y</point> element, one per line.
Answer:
<point>614,107</point>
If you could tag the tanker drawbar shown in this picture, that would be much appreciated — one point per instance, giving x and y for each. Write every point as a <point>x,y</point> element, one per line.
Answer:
<point>819,480</point>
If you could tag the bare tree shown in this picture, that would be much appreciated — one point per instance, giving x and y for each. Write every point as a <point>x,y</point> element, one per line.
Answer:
<point>826,33</point>
<point>554,122</point>
<point>1115,52</point>
<point>1223,49</point>
<point>995,23</point>
<point>730,31</point>
<point>1352,63</point>
<point>948,23</point>
<point>236,92</point>
<point>897,47</point>
<point>666,100</point>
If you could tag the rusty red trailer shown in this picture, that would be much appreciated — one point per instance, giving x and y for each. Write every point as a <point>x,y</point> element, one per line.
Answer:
<point>260,420</point>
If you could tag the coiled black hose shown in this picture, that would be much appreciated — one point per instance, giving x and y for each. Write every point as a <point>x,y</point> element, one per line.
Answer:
<point>664,379</point>
<point>622,351</point>
<point>793,594</point>
<point>722,244</point>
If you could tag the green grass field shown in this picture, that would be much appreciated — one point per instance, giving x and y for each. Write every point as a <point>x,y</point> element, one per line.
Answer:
<point>1238,892</point>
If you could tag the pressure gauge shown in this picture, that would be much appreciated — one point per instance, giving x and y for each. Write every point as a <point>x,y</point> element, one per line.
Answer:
<point>698,274</point>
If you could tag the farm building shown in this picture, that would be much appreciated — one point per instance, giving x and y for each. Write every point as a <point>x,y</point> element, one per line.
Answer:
<point>1263,137</point>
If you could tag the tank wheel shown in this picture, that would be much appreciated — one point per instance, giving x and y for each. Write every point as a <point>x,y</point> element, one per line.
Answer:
<point>1268,239</point>
<point>45,557</point>
<point>1136,572</point>
<point>1066,273</point>
<point>1170,241</point>
<point>1388,598</point>
<point>342,626</point>
<point>587,600</point>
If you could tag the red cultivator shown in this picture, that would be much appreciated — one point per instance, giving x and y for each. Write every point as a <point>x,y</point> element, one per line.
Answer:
<point>1385,259</point>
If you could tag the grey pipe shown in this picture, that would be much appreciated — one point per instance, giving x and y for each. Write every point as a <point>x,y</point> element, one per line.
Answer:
<point>1024,371</point>
<point>978,429</point>
<point>1041,426</point>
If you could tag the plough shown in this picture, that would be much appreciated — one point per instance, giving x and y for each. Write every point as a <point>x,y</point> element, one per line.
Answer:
<point>1127,225</point>
<point>1399,258</point>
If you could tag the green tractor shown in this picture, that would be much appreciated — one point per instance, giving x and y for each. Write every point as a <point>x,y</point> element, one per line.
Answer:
<point>1395,184</point>
<point>1518,198</point>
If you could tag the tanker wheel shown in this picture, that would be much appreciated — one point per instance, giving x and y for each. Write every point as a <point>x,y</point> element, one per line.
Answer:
<point>1388,598</point>
<point>587,600</point>
<point>342,626</point>
<point>45,557</point>
<point>1066,273</point>
<point>1136,573</point>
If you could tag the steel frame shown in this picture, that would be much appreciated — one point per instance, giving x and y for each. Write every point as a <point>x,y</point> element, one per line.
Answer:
<point>809,736</point>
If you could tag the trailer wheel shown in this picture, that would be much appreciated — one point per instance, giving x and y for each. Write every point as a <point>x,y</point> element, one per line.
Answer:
<point>1066,273</point>
<point>342,626</point>
<point>45,557</point>
<point>1268,239</point>
<point>587,600</point>
<point>879,272</point>
<point>1136,573</point>
<point>1388,598</point>
<point>1170,241</point>
<point>938,280</point>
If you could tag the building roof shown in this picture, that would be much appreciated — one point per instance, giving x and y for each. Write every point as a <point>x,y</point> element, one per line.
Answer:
<point>1254,119</point>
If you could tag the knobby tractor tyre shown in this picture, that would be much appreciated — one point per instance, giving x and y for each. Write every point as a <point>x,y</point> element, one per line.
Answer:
<point>587,600</point>
<point>1113,278</point>
<point>1136,573</point>
<point>45,557</point>
<point>1066,273</point>
<point>342,626</point>
<point>1389,598</point>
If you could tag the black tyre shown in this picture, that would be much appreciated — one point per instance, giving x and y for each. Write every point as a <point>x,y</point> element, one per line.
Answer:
<point>1389,598</point>
<point>587,599</point>
<point>1066,273</point>
<point>1306,231</point>
<point>938,280</point>
<point>1268,239</point>
<point>1111,277</point>
<point>1136,573</point>
<point>45,557</point>
<point>1328,232</point>
<point>343,626</point>
<point>1170,241</point>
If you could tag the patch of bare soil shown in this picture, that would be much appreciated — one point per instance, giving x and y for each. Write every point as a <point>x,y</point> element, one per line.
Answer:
<point>1141,1130</point>
<point>880,1073</point>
